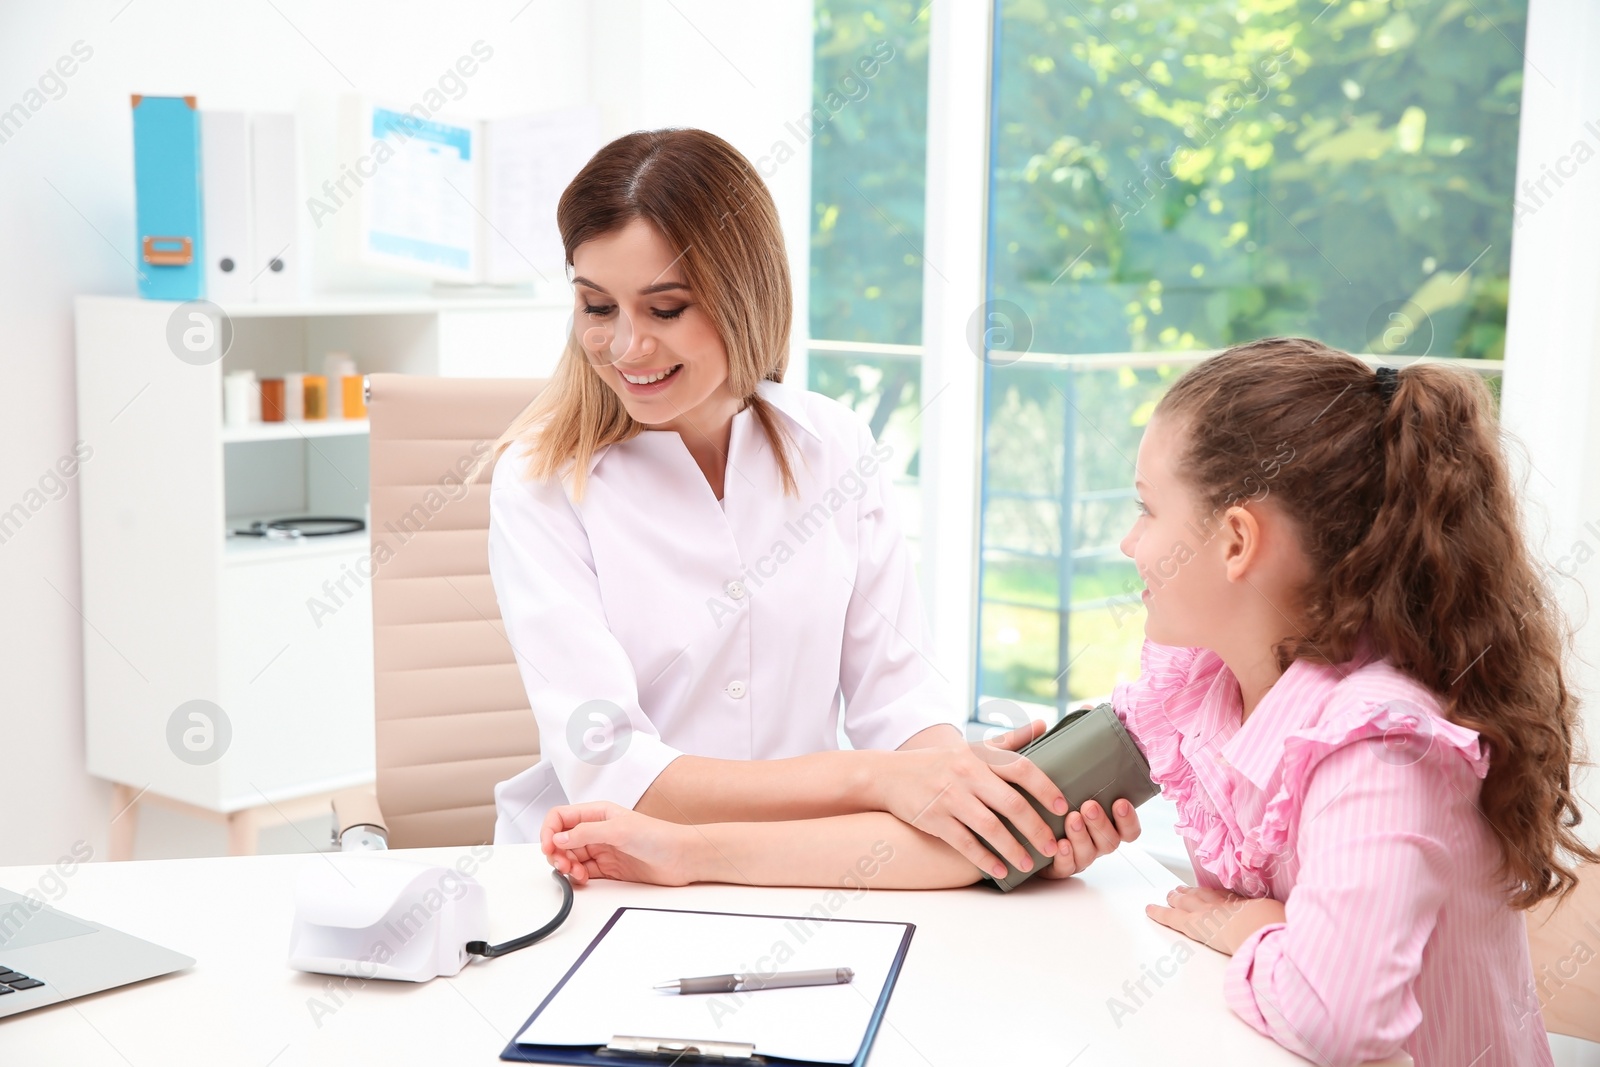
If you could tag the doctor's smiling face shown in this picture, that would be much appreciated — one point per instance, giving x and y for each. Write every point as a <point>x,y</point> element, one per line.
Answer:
<point>646,333</point>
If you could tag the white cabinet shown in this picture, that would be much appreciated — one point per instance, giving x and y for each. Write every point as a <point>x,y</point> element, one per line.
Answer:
<point>276,635</point>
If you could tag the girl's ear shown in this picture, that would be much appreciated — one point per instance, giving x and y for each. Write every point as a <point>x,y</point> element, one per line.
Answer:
<point>1240,538</point>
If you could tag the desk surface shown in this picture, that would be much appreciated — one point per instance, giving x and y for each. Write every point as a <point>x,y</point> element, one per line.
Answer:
<point>1048,974</point>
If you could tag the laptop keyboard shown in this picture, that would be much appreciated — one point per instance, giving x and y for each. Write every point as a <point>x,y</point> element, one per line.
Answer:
<point>11,981</point>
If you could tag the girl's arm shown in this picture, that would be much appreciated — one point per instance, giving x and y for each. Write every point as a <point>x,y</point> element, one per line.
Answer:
<point>859,851</point>
<point>1380,846</point>
<point>935,781</point>
<point>872,850</point>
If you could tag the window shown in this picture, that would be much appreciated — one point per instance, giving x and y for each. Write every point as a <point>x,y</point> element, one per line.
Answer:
<point>1171,177</point>
<point>1165,178</point>
<point>867,167</point>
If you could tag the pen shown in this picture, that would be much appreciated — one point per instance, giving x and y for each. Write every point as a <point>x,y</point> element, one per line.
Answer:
<point>739,983</point>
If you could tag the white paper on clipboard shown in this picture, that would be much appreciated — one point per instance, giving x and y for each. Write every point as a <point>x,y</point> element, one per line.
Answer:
<point>612,991</point>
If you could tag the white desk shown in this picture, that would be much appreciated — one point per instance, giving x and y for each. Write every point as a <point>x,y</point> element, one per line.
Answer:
<point>1025,977</point>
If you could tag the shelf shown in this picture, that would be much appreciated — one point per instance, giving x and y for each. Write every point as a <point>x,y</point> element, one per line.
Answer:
<point>293,430</point>
<point>239,551</point>
<point>242,621</point>
<point>367,304</point>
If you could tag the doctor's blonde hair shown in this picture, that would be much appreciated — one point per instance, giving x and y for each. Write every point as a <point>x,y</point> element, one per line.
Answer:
<point>707,199</point>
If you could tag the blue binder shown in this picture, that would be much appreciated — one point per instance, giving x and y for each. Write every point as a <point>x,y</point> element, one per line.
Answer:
<point>566,1054</point>
<point>168,210</point>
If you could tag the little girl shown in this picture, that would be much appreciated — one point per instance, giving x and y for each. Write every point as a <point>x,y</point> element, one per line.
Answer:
<point>1351,687</point>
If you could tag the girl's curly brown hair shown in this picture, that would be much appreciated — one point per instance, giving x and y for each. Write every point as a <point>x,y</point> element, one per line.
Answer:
<point>1406,509</point>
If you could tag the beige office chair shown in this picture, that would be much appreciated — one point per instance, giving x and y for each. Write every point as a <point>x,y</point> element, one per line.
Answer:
<point>452,715</point>
<point>1562,942</point>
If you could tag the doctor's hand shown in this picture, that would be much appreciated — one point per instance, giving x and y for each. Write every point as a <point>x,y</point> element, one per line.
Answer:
<point>606,840</point>
<point>953,791</point>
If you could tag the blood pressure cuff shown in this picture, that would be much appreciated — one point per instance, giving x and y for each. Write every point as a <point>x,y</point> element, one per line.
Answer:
<point>1089,756</point>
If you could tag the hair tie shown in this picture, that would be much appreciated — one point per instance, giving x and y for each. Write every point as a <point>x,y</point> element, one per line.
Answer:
<point>1388,382</point>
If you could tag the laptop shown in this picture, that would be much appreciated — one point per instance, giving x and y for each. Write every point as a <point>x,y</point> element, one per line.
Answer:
<point>47,956</point>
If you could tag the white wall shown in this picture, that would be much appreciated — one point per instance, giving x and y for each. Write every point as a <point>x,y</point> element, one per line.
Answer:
<point>1552,381</point>
<point>66,227</point>
<point>740,70</point>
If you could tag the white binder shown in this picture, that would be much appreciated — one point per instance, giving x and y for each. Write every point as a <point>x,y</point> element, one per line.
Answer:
<point>225,181</point>
<point>277,268</point>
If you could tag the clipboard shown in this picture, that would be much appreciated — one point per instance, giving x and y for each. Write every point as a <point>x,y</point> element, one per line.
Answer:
<point>705,1046</point>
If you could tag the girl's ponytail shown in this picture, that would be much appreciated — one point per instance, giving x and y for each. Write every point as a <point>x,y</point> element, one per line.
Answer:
<point>1399,485</point>
<point>1459,605</point>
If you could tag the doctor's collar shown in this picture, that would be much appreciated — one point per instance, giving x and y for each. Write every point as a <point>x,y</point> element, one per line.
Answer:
<point>786,399</point>
<point>789,401</point>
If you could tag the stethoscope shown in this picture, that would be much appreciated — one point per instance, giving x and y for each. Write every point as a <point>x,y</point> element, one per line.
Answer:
<point>294,529</point>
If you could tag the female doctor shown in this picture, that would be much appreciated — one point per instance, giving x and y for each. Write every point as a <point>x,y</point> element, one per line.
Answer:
<point>694,560</point>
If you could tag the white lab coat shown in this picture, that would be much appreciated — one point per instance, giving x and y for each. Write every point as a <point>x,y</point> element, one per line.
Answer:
<point>651,620</point>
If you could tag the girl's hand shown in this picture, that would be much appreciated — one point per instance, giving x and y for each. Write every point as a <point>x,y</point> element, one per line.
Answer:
<point>1090,835</point>
<point>1214,917</point>
<point>952,791</point>
<point>606,840</point>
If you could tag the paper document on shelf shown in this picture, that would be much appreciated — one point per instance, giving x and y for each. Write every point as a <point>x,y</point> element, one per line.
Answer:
<point>528,162</point>
<point>611,992</point>
<point>418,203</point>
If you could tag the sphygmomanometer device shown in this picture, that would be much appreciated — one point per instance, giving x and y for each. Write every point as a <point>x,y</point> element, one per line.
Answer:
<point>1089,755</point>
<point>373,916</point>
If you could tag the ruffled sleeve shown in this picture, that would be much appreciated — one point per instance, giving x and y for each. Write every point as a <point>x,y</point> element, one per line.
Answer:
<point>1409,734</point>
<point>1145,704</point>
<point>1159,708</point>
<point>1382,786</point>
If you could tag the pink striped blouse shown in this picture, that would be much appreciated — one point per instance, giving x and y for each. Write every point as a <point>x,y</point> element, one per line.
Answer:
<point>1348,796</point>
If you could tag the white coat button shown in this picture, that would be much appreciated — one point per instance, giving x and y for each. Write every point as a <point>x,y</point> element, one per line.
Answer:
<point>736,689</point>
<point>736,589</point>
